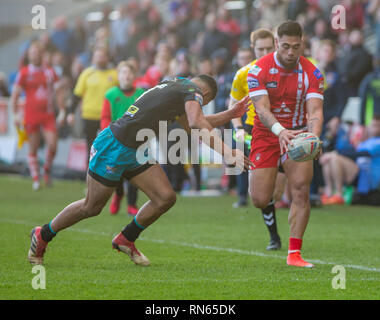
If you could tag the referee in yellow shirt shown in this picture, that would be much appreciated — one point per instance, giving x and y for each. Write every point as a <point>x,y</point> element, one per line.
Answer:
<point>90,89</point>
<point>262,43</point>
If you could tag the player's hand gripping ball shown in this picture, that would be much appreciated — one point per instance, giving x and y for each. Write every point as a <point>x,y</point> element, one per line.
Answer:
<point>306,146</point>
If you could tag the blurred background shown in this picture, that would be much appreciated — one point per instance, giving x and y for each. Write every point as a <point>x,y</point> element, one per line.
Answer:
<point>169,38</point>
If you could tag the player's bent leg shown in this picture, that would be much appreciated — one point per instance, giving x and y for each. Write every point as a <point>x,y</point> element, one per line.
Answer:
<point>154,183</point>
<point>262,183</point>
<point>97,197</point>
<point>261,186</point>
<point>299,176</point>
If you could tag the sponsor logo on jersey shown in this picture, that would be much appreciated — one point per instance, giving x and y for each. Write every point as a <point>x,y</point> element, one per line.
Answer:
<point>273,71</point>
<point>318,74</point>
<point>92,152</point>
<point>198,98</point>
<point>252,83</point>
<point>110,169</point>
<point>255,70</point>
<point>132,110</point>
<point>298,71</point>
<point>271,84</point>
<point>283,108</point>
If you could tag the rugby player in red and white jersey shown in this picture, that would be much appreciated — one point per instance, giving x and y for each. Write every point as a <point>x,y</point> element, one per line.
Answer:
<point>40,84</point>
<point>287,91</point>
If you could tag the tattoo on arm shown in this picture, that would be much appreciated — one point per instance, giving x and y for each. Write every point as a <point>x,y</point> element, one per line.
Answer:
<point>313,124</point>
<point>264,113</point>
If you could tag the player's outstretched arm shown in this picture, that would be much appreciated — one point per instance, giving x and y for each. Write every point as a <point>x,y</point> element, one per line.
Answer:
<point>237,110</point>
<point>196,120</point>
<point>236,122</point>
<point>262,107</point>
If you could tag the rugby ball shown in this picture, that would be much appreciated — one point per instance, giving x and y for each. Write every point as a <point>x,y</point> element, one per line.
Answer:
<point>305,147</point>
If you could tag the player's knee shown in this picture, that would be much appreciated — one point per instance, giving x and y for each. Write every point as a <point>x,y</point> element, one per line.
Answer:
<point>260,202</point>
<point>52,149</point>
<point>92,210</point>
<point>166,200</point>
<point>300,194</point>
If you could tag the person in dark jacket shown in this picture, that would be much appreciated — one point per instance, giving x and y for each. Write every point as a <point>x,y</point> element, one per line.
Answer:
<point>213,39</point>
<point>356,63</point>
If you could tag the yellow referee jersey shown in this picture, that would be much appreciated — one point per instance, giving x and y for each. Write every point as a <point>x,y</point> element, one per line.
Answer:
<point>91,86</point>
<point>239,90</point>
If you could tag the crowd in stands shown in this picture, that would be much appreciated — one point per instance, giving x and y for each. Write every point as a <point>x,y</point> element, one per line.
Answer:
<point>195,36</point>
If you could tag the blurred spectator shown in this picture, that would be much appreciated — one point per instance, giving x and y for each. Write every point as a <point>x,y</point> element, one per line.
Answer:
<point>119,32</point>
<point>62,37</point>
<point>155,73</point>
<point>196,25</point>
<point>134,37</point>
<point>46,42</point>
<point>321,30</point>
<point>223,77</point>
<point>106,11</point>
<point>102,37</point>
<point>148,17</point>
<point>213,38</point>
<point>373,11</point>
<point>79,36</point>
<point>295,8</point>
<point>354,14</point>
<point>334,97</point>
<point>183,65</point>
<point>4,92</point>
<point>179,8</point>
<point>228,25</point>
<point>362,165</point>
<point>313,13</point>
<point>204,66</point>
<point>244,56</point>
<point>272,12</point>
<point>369,93</point>
<point>355,64</point>
<point>172,42</point>
<point>147,49</point>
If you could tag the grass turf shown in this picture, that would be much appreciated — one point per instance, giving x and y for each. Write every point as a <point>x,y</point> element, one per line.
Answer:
<point>200,249</point>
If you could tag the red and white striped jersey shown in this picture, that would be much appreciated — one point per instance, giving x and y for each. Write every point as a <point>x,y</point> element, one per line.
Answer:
<point>37,82</point>
<point>288,90</point>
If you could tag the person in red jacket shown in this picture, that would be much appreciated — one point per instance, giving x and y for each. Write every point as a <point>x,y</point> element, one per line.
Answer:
<point>117,100</point>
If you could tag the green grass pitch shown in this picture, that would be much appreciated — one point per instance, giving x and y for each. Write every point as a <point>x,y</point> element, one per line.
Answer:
<point>200,249</point>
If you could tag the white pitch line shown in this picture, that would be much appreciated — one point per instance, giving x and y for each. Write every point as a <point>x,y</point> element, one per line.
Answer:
<point>206,247</point>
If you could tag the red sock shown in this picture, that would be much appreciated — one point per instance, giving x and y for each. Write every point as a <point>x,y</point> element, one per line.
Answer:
<point>34,167</point>
<point>294,245</point>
